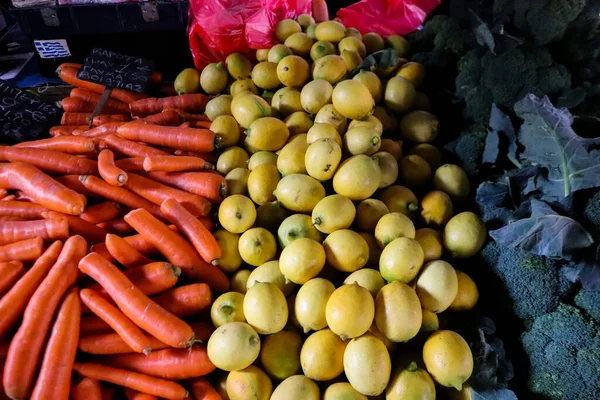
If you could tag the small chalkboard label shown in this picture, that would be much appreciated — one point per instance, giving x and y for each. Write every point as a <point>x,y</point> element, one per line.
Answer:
<point>23,116</point>
<point>116,71</point>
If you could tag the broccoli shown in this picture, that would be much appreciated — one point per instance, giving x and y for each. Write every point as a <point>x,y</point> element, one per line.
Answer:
<point>592,211</point>
<point>439,33</point>
<point>589,301</point>
<point>564,353</point>
<point>468,148</point>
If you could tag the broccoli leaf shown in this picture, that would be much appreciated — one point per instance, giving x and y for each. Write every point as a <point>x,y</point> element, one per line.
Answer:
<point>492,147</point>
<point>544,232</point>
<point>587,270</point>
<point>492,193</point>
<point>549,141</point>
<point>500,123</point>
<point>380,59</point>
<point>501,394</point>
<point>491,369</point>
<point>484,37</point>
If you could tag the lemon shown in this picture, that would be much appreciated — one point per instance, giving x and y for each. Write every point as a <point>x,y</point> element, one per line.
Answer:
<point>323,131</point>
<point>367,365</point>
<point>264,75</point>
<point>361,140</point>
<point>300,43</point>
<point>373,42</point>
<point>346,250</point>
<point>310,304</point>
<point>413,71</point>
<point>237,181</point>
<point>399,94</point>
<point>388,72</point>
<point>351,58</point>
<point>400,44</point>
<point>421,102</point>
<point>243,85</point>
<point>398,312</point>
<point>389,168</point>
<point>238,66</point>
<point>353,32</point>
<point>331,31</point>
<point>233,346</point>
<point>370,122</point>
<point>310,31</point>
<point>374,250</point>
<point>352,99</point>
<point>401,260</point>
<point>299,193</point>
<point>262,158</point>
<point>453,180</point>
<point>437,286</point>
<point>287,101</point>
<point>448,358</point>
<point>468,294</point>
<point>302,260</point>
<point>298,122</point>
<point>331,68</point>
<point>257,246</point>
<point>357,178</point>
<point>321,49</point>
<point>391,346</point>
<point>329,115</point>
<point>466,393</point>
<point>238,281</point>
<point>342,391</point>
<point>393,148</point>
<point>368,213</point>
<point>333,213</point>
<point>220,384</point>
<point>228,130</point>
<point>368,278</point>
<point>436,208</point>
<point>220,105</point>
<point>269,273</point>
<point>322,355</point>
<point>277,52</point>
<point>232,157</point>
<point>293,324</point>
<point>350,311</point>
<point>315,95</point>
<point>464,235</point>
<point>228,307</point>
<point>293,71</point>
<point>414,171</point>
<point>400,199</point>
<point>237,213</point>
<point>291,158</point>
<point>270,215</point>
<point>250,383</point>
<point>297,387</point>
<point>410,382</point>
<point>387,118</point>
<point>285,28</point>
<point>429,153</point>
<point>262,54</point>
<point>431,322</point>
<point>265,308</point>
<point>213,78</point>
<point>431,243</point>
<point>278,96</point>
<point>188,81</point>
<point>371,82</point>
<point>322,159</point>
<point>352,44</point>
<point>305,20</point>
<point>419,127</point>
<point>230,259</point>
<point>392,226</point>
<point>280,354</point>
<point>268,133</point>
<point>247,108</point>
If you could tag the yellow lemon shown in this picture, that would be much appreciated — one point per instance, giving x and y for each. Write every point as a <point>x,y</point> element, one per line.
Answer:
<point>391,346</point>
<point>295,227</point>
<point>233,346</point>
<point>400,199</point>
<point>257,246</point>
<point>331,68</point>
<point>238,66</point>
<point>370,122</point>
<point>353,32</point>
<point>310,31</point>
<point>467,295</point>
<point>233,157</point>
<point>188,81</point>
<point>269,272</point>
<point>293,324</point>
<point>398,312</point>
<point>315,95</point>
<point>291,158</point>
<point>213,78</point>
<point>247,108</point>
<point>300,43</point>
<point>230,259</point>
<point>322,355</point>
<point>262,182</point>
<point>287,101</point>
<point>280,354</point>
<point>333,213</point>
<point>367,365</point>
<point>321,49</point>
<point>410,382</point>
<point>350,311</point>
<point>298,122</point>
<point>465,235</point>
<point>277,52</point>
<point>351,58</point>
<point>401,260</point>
<point>361,140</point>
<point>414,171</point>
<point>305,20</point>
<point>368,213</point>
<point>329,115</point>
<point>429,153</point>
<point>431,243</point>
<point>228,130</point>
<point>264,75</point>
<point>400,44</point>
<point>322,159</point>
<point>448,358</point>
<point>342,391</point>
<point>237,213</point>
<point>331,31</point>
<point>392,226</point>
<point>270,215</point>
<point>389,168</point>
<point>262,55</point>
<point>371,82</point>
<point>387,118</point>
<point>228,307</point>
<point>373,42</point>
<point>413,71</point>
<point>399,94</point>
<point>265,308</point>
<point>394,148</point>
<point>421,102</point>
<point>268,134</point>
<point>353,44</point>
<point>238,281</point>
<point>453,180</point>
<point>237,181</point>
<point>220,105</point>
<point>436,208</point>
<point>286,28</point>
<point>368,278</point>
<point>299,193</point>
<point>431,322</point>
<point>260,158</point>
<point>250,383</point>
<point>437,286</point>
<point>323,131</point>
<point>293,71</point>
<point>302,260</point>
<point>374,250</point>
<point>245,85</point>
<point>352,99</point>
<point>346,250</point>
<point>297,387</point>
<point>419,127</point>
<point>310,304</point>
<point>357,178</point>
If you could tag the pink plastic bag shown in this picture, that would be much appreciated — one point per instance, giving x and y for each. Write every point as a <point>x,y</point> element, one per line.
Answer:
<point>387,17</point>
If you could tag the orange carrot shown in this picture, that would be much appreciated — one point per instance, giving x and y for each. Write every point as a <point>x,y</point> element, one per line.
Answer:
<point>77,226</point>
<point>107,118</point>
<point>176,249</point>
<point>70,65</point>
<point>167,89</point>
<point>77,105</point>
<point>156,77</point>
<point>87,389</point>
<point>140,382</point>
<point>186,301</point>
<point>49,160</point>
<point>108,392</point>
<point>3,353</point>
<point>157,193</point>
<point>186,124</point>
<point>25,250</point>
<point>65,144</point>
<point>118,194</point>
<point>208,157</point>
<point>124,253</point>
<point>201,124</point>
<point>211,186</point>
<point>133,164</point>
<point>23,197</point>
<point>93,98</point>
<point>77,118</point>
<point>320,11</point>
<point>117,226</point>
<point>100,212</point>
<point>54,380</point>
<point>193,103</point>
<point>191,117</point>
<point>65,130</point>
<point>202,389</point>
<point>133,395</point>
<point>9,218</point>
<point>21,209</point>
<point>24,351</point>
<point>200,140</point>
<point>176,164</point>
<point>111,174</point>
<point>72,182</point>
<point>165,118</point>
<point>15,231</point>
<point>10,272</point>
<point>14,302</point>
<point>10,197</point>
<point>129,332</point>
<point>102,131</point>
<point>91,325</point>
<point>142,311</point>
<point>131,148</point>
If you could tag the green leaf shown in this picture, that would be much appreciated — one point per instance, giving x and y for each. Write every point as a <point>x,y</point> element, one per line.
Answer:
<point>380,59</point>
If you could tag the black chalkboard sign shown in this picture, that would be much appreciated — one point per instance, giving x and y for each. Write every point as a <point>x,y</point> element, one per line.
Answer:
<point>23,116</point>
<point>116,71</point>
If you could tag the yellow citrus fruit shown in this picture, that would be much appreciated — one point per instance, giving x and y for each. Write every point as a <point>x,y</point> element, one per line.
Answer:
<point>277,52</point>
<point>315,95</point>
<point>268,134</point>
<point>429,153</point>
<point>370,122</point>
<point>342,391</point>
<point>323,131</point>
<point>238,281</point>
<point>262,182</point>
<point>247,108</point>
<point>368,213</point>
<point>270,215</point>
<point>297,226</point>
<point>293,324</point>
<point>250,383</point>
<point>373,42</point>
<point>233,346</point>
<point>280,354</point>
<point>330,31</point>
<point>188,81</point>
<point>410,382</point>
<point>465,235</point>
<point>228,307</point>
<point>352,99</point>
<point>367,364</point>
<point>401,260</point>
<point>467,295</point>
<point>322,355</point>
<point>391,346</point>
<point>285,28</point>
<point>302,260</point>
<point>398,312</point>
<point>232,157</point>
<point>213,78</point>
<point>368,278</point>
<point>269,272</point>
<point>237,181</point>
<point>260,158</point>
<point>399,94</point>
<point>288,101</point>
<point>387,118</point>
<point>448,358</point>
<point>353,32</point>
<point>437,286</point>
<point>361,140</point>
<point>310,304</point>
<point>298,122</point>
<point>374,250</point>
<point>331,68</point>
<point>265,308</point>
<point>394,148</point>
<point>228,130</point>
<point>372,82</point>
<point>291,158</point>
<point>243,85</point>
<point>392,226</point>
<point>400,44</point>
<point>322,159</point>
<point>346,250</point>
<point>357,178</point>
<point>300,43</point>
<point>431,322</point>
<point>414,171</point>
<point>350,311</point>
<point>305,20</point>
<point>400,199</point>
<point>453,180</point>
<point>238,66</point>
<point>321,49</point>
<point>389,168</point>
<point>230,259</point>
<point>333,213</point>
<point>293,71</point>
<point>329,115</point>
<point>264,75</point>
<point>436,208</point>
<point>299,193</point>
<point>237,213</point>
<point>262,55</point>
<point>257,246</point>
<point>353,44</point>
<point>351,58</point>
<point>419,127</point>
<point>220,105</point>
<point>413,71</point>
<point>431,243</point>
<point>296,387</point>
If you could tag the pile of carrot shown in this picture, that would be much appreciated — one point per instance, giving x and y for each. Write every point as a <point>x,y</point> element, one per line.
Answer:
<point>107,260</point>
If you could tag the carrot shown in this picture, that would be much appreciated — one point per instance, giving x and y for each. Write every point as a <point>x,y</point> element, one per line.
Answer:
<point>93,98</point>
<point>140,382</point>
<point>142,311</point>
<point>15,231</point>
<point>193,103</point>
<point>118,194</point>
<point>176,164</point>
<point>165,118</point>
<point>211,186</point>
<point>25,250</point>
<point>157,193</point>
<point>176,249</point>
<point>191,117</point>
<point>100,212</point>
<point>133,395</point>
<point>87,389</point>
<point>10,272</point>
<point>202,389</point>
<point>320,11</point>
<point>72,182</point>
<point>167,89</point>
<point>23,354</point>
<point>111,174</point>
<point>65,130</point>
<point>65,144</point>
<point>131,148</point>
<point>200,140</point>
<point>70,65</point>
<point>102,130</point>
<point>21,209</point>
<point>133,164</point>
<point>49,160</point>
<point>208,157</point>
<point>201,124</point>
<point>124,253</point>
<point>74,104</point>
<point>77,226</point>
<point>14,302</point>
<point>107,118</point>
<point>91,325</point>
<point>185,301</point>
<point>54,380</point>
<point>108,392</point>
<point>117,226</point>
<point>156,77</point>
<point>186,124</point>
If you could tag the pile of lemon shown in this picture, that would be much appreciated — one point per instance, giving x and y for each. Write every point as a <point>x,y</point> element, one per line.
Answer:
<point>332,235</point>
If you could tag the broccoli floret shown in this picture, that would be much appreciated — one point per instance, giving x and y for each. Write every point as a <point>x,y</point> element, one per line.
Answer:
<point>564,353</point>
<point>468,148</point>
<point>589,300</point>
<point>592,210</point>
<point>439,33</point>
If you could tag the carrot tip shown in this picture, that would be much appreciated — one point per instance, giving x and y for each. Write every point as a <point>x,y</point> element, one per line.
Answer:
<point>209,166</point>
<point>122,179</point>
<point>176,270</point>
<point>215,261</point>
<point>147,351</point>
